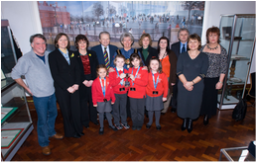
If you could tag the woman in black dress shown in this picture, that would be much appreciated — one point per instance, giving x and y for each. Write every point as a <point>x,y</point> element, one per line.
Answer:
<point>66,75</point>
<point>191,69</point>
<point>215,74</point>
<point>88,63</point>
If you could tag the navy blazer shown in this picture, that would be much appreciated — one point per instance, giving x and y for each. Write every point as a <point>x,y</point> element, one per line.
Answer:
<point>176,48</point>
<point>98,50</point>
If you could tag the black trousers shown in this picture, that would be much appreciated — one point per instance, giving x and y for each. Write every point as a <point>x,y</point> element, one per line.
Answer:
<point>210,97</point>
<point>88,113</point>
<point>70,109</point>
<point>137,111</point>
<point>173,102</point>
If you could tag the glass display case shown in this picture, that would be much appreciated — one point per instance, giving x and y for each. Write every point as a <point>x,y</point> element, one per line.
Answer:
<point>237,36</point>
<point>16,123</point>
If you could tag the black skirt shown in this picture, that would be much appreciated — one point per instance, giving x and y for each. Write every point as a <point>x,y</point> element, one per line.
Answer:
<point>210,95</point>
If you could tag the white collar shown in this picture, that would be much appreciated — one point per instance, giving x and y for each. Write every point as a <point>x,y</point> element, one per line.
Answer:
<point>103,47</point>
<point>121,69</point>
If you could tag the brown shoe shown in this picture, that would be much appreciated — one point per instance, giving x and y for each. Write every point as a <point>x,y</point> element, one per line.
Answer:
<point>58,136</point>
<point>46,150</point>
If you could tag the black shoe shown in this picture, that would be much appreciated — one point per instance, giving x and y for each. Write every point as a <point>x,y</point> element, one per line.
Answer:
<point>158,127</point>
<point>190,125</point>
<point>81,134</point>
<point>148,126</point>
<point>101,132</point>
<point>76,136</point>
<point>162,113</point>
<point>173,110</point>
<point>113,128</point>
<point>134,127</point>
<point>96,123</point>
<point>138,128</point>
<point>206,120</point>
<point>184,125</point>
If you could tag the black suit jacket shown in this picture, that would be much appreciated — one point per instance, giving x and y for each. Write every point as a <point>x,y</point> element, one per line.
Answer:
<point>63,74</point>
<point>176,48</point>
<point>93,65</point>
<point>151,52</point>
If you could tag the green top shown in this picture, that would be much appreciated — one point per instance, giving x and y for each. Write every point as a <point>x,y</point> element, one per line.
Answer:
<point>145,53</point>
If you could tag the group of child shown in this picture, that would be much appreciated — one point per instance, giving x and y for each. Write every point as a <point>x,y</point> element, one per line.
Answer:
<point>144,87</point>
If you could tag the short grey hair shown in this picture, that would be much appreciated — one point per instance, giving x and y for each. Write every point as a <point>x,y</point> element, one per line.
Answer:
<point>182,29</point>
<point>126,34</point>
<point>104,32</point>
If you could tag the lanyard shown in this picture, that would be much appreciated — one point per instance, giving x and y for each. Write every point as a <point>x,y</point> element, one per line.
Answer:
<point>135,74</point>
<point>155,83</point>
<point>103,88</point>
<point>122,81</point>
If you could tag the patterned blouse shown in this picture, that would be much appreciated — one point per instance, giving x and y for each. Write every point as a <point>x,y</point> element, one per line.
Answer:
<point>217,63</point>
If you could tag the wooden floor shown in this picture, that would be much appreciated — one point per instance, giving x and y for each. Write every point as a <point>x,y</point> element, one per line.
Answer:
<point>169,144</point>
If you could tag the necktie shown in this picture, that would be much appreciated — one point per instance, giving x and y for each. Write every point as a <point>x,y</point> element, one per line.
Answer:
<point>106,58</point>
<point>183,49</point>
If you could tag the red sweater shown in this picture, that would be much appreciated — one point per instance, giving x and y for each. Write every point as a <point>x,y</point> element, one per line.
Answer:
<point>140,83</point>
<point>114,81</point>
<point>162,86</point>
<point>97,94</point>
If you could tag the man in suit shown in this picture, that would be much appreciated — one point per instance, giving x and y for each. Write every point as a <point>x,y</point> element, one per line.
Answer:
<point>178,48</point>
<point>181,46</point>
<point>34,65</point>
<point>104,47</point>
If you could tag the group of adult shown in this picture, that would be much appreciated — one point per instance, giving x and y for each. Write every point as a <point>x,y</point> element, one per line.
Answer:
<point>69,75</point>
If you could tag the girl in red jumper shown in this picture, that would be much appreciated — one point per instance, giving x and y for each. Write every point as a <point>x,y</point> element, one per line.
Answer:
<point>117,78</point>
<point>157,90</point>
<point>102,97</point>
<point>137,90</point>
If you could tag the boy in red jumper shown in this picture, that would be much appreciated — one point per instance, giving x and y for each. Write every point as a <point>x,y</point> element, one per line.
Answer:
<point>157,90</point>
<point>117,78</point>
<point>102,97</point>
<point>137,90</point>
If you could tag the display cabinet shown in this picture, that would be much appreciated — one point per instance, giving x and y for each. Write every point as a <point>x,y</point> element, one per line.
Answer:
<point>16,123</point>
<point>237,36</point>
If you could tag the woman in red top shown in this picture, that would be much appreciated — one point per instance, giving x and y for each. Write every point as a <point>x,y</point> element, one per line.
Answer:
<point>137,91</point>
<point>157,91</point>
<point>117,78</point>
<point>102,97</point>
<point>87,62</point>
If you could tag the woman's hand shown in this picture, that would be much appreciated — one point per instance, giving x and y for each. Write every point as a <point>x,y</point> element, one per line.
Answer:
<point>71,90</point>
<point>95,105</point>
<point>85,82</point>
<point>188,84</point>
<point>90,83</point>
<point>219,85</point>
<point>172,84</point>
<point>123,75</point>
<point>132,77</point>
<point>164,99</point>
<point>75,86</point>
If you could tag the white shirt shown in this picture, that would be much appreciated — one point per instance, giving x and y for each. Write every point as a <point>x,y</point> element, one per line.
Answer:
<point>103,49</point>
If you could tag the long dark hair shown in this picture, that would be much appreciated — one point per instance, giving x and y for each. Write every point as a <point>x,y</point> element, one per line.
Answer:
<point>168,44</point>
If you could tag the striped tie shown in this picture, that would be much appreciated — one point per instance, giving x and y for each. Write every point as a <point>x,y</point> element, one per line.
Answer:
<point>106,58</point>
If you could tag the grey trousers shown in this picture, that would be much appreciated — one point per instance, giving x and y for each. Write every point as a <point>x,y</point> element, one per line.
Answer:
<point>137,111</point>
<point>121,100</point>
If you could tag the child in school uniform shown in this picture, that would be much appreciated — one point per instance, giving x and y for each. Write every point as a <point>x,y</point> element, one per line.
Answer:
<point>102,97</point>
<point>156,91</point>
<point>117,79</point>
<point>137,90</point>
